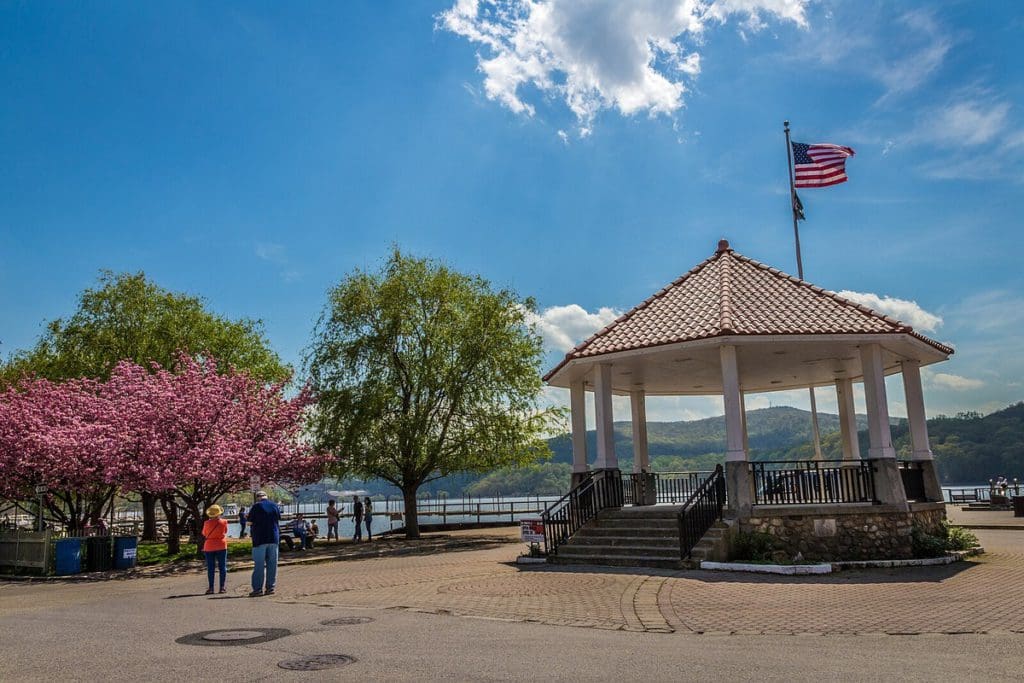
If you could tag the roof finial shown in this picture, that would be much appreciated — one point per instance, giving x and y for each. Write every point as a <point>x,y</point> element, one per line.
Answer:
<point>723,245</point>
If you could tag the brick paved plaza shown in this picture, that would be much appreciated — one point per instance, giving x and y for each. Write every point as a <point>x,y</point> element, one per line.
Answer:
<point>973,596</point>
<point>474,614</point>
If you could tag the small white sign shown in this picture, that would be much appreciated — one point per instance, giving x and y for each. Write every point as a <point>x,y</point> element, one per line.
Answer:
<point>41,489</point>
<point>254,484</point>
<point>531,530</point>
<point>128,553</point>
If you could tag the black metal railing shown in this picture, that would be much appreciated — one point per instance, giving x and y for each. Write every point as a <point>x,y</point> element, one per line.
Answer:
<point>700,511</point>
<point>813,481</point>
<point>675,487</point>
<point>650,488</point>
<point>569,513</point>
<point>912,475</point>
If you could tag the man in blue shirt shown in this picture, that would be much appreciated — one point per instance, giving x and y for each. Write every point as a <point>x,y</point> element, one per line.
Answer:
<point>264,518</point>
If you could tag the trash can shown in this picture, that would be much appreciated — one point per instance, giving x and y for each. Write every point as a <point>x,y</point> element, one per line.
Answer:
<point>1018,506</point>
<point>97,553</point>
<point>125,550</point>
<point>69,556</point>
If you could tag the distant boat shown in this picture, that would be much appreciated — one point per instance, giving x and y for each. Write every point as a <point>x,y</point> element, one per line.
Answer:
<point>348,494</point>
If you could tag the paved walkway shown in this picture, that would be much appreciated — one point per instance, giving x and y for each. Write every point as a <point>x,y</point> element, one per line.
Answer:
<point>504,621</point>
<point>984,519</point>
<point>965,597</point>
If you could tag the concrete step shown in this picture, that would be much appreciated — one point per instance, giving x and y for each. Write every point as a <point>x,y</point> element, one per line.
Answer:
<point>646,512</point>
<point>618,551</point>
<point>628,531</point>
<point>655,562</point>
<point>634,523</point>
<point>651,541</point>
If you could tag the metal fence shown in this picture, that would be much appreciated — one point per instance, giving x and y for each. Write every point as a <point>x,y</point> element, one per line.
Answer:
<point>813,482</point>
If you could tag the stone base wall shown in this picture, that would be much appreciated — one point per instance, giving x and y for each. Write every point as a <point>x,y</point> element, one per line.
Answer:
<point>837,533</point>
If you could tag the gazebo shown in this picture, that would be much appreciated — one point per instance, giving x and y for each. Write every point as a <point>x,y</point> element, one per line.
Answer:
<point>732,326</point>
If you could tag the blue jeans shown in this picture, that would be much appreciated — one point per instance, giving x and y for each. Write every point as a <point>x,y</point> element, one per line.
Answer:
<point>220,559</point>
<point>264,558</point>
<point>369,534</point>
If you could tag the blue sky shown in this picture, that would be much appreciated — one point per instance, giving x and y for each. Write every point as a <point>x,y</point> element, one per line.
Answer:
<point>582,153</point>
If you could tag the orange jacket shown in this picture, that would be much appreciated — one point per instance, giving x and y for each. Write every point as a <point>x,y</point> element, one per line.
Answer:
<point>214,531</point>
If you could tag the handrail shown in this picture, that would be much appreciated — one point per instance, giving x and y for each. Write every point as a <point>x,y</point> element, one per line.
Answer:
<point>570,512</point>
<point>801,482</point>
<point>700,511</point>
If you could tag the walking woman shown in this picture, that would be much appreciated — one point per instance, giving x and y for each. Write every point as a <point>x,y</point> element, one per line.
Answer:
<point>368,517</point>
<point>215,547</point>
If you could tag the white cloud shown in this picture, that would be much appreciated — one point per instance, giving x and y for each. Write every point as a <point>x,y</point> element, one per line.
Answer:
<point>268,251</point>
<point>633,56</point>
<point>972,118</point>
<point>943,380</point>
<point>277,255</point>
<point>964,123</point>
<point>911,69</point>
<point>563,327</point>
<point>901,309</point>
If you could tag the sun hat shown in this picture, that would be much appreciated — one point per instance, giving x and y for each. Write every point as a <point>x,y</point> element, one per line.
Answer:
<point>214,510</point>
<point>261,494</point>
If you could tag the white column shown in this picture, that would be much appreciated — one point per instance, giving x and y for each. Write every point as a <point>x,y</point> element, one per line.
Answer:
<point>847,419</point>
<point>578,411</point>
<point>915,410</point>
<point>878,404</point>
<point>638,409</point>
<point>733,400</point>
<point>743,416</point>
<point>603,412</point>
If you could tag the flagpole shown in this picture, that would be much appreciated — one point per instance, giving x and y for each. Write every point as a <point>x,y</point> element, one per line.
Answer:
<point>800,273</point>
<point>792,201</point>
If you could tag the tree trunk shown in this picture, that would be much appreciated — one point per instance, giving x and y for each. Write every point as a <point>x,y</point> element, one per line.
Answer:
<point>412,523</point>
<point>173,530</point>
<point>197,530</point>
<point>148,517</point>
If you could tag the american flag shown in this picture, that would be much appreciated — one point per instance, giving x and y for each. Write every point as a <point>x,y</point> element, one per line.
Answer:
<point>820,165</point>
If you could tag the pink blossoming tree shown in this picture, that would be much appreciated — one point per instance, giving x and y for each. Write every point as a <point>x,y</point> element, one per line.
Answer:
<point>188,436</point>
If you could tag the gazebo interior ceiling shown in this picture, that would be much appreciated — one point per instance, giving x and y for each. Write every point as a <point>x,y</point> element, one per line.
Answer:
<point>765,364</point>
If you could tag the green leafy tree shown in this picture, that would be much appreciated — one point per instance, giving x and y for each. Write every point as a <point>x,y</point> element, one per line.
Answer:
<point>125,316</point>
<point>421,372</point>
<point>128,317</point>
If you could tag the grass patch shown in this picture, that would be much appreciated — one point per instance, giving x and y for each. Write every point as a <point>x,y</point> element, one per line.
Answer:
<point>156,553</point>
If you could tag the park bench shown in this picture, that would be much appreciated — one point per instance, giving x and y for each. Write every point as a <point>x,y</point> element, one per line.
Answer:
<point>971,497</point>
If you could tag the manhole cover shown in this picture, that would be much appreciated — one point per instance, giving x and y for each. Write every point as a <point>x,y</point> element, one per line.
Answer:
<point>347,621</point>
<point>233,635</point>
<point>316,662</point>
<point>249,636</point>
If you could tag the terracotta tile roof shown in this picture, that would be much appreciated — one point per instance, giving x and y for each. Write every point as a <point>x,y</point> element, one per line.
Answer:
<point>730,294</point>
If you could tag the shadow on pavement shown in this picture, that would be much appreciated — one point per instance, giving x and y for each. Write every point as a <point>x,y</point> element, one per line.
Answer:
<point>935,574</point>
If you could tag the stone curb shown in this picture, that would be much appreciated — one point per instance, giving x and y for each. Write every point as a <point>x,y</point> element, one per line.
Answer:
<point>804,569</point>
<point>952,557</point>
<point>784,569</point>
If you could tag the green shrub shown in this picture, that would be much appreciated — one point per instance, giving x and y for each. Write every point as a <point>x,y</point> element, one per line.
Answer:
<point>753,547</point>
<point>959,538</point>
<point>947,538</point>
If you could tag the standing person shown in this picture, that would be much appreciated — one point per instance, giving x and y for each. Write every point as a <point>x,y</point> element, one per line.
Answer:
<point>357,513</point>
<point>264,518</point>
<point>332,520</point>
<point>242,519</point>
<point>368,512</point>
<point>299,530</point>
<point>215,547</point>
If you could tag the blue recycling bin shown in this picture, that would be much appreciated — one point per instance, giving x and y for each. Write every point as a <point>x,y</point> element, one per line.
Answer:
<point>69,556</point>
<point>126,549</point>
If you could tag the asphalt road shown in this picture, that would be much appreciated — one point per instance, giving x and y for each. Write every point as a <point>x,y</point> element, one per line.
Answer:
<point>128,630</point>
